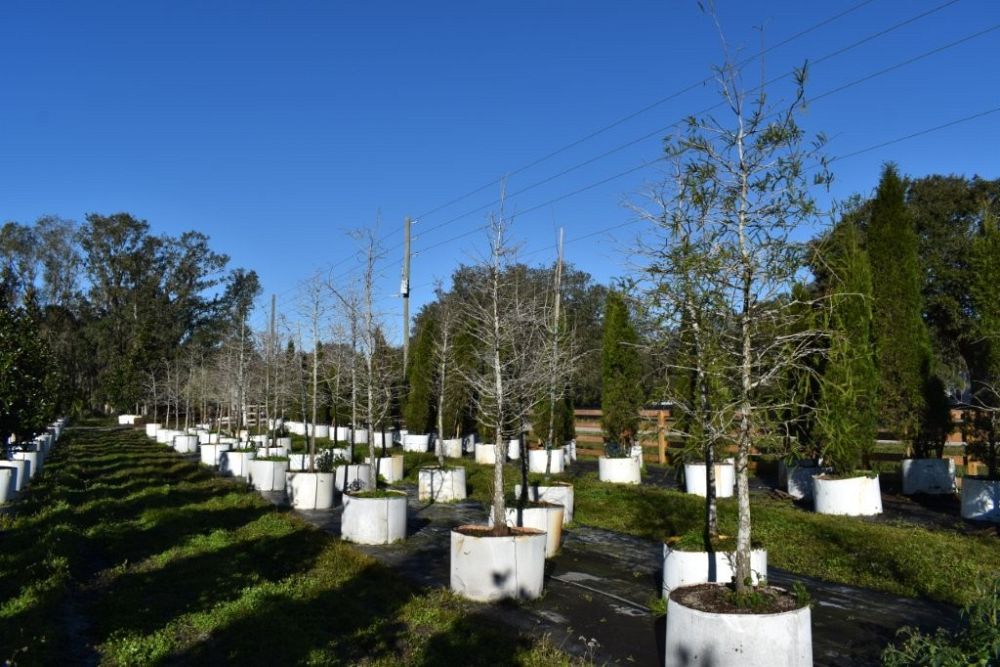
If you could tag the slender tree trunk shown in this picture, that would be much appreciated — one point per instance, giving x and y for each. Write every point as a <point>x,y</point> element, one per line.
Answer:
<point>743,572</point>
<point>499,504</point>
<point>549,442</point>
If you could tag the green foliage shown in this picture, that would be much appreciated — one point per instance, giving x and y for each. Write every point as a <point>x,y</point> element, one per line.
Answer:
<point>936,422</point>
<point>28,379</point>
<point>621,397</point>
<point>418,410</point>
<point>977,641</point>
<point>845,417</point>
<point>902,342</point>
<point>564,425</point>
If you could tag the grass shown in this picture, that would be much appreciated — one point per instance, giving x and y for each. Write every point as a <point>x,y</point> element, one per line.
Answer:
<point>899,558</point>
<point>125,554</point>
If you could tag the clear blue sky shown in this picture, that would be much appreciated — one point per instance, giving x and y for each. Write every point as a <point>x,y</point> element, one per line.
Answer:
<point>274,127</point>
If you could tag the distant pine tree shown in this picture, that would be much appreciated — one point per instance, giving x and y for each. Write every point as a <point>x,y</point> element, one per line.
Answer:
<point>417,410</point>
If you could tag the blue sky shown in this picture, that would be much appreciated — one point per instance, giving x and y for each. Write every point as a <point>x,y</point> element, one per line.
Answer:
<point>276,127</point>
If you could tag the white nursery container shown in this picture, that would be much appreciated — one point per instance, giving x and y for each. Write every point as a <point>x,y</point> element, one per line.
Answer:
<point>34,460</point>
<point>486,568</point>
<point>322,430</point>
<point>706,639</point>
<point>546,518</point>
<point>570,449</point>
<point>374,520</point>
<point>452,448</point>
<point>8,483</point>
<point>236,463</point>
<point>624,470</point>
<point>981,499</point>
<point>853,496</point>
<point>933,476</point>
<point>441,485</point>
<point>486,454</point>
<point>514,449</point>
<point>310,490</point>
<point>557,493</point>
<point>186,444</point>
<point>151,429</point>
<point>416,443</point>
<point>22,472</point>
<point>343,434</point>
<point>725,479</point>
<point>210,454</point>
<point>389,467</point>
<point>354,477</point>
<point>537,460</point>
<point>797,478</point>
<point>686,568</point>
<point>268,475</point>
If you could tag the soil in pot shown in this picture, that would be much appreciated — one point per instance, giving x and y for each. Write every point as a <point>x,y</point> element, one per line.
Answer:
<point>723,599</point>
<point>472,530</point>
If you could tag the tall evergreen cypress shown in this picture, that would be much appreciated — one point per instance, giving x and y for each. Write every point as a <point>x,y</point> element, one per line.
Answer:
<point>845,417</point>
<point>902,343</point>
<point>621,395</point>
<point>417,411</point>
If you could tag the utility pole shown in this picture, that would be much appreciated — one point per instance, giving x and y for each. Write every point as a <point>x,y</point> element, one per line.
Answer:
<point>404,290</point>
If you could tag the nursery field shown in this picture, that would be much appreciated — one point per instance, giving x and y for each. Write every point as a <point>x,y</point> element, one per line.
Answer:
<point>123,554</point>
<point>892,556</point>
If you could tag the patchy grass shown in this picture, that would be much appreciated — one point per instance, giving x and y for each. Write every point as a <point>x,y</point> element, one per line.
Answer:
<point>125,554</point>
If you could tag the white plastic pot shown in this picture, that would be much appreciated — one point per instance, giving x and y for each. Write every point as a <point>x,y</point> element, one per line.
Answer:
<point>186,444</point>
<point>236,463</point>
<point>285,442</point>
<point>487,568</point>
<point>546,518</point>
<point>538,458</point>
<point>854,496</point>
<point>8,482</point>
<point>389,467</point>
<point>797,478</point>
<point>452,448</point>
<point>558,493</point>
<point>360,436</point>
<point>151,429</point>
<point>310,490</point>
<point>734,640</point>
<point>264,441</point>
<point>22,472</point>
<point>34,460</point>
<point>297,428</point>
<point>981,499</point>
<point>210,454</point>
<point>625,470</point>
<point>204,438</point>
<point>273,451</point>
<point>127,420</point>
<point>570,449</point>
<point>686,568</point>
<point>352,477</point>
<point>374,520</point>
<point>383,439</point>
<point>513,449</point>
<point>416,443</point>
<point>441,485</point>
<point>322,430</point>
<point>300,462</point>
<point>165,436</point>
<point>486,454</point>
<point>268,475</point>
<point>725,479</point>
<point>342,454</point>
<point>934,476</point>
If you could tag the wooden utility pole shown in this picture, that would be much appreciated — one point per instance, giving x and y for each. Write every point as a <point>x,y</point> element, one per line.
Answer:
<point>404,290</point>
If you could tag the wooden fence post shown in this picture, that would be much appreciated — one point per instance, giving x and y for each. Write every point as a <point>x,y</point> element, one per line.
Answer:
<point>661,432</point>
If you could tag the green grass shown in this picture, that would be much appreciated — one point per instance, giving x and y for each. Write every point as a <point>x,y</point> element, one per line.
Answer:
<point>125,554</point>
<point>898,558</point>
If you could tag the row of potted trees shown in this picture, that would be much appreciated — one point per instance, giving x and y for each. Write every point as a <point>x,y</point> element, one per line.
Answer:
<point>21,461</point>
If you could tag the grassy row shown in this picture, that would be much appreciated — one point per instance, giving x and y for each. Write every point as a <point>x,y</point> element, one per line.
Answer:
<point>899,558</point>
<point>124,554</point>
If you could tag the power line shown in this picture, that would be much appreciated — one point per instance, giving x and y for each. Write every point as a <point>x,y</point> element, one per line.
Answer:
<point>828,93</point>
<point>659,131</point>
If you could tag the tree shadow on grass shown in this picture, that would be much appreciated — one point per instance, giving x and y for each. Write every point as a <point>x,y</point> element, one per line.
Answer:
<point>141,601</point>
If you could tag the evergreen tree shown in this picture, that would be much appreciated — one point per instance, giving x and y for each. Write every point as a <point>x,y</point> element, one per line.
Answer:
<point>621,397</point>
<point>984,292</point>
<point>417,411</point>
<point>845,418</point>
<point>902,343</point>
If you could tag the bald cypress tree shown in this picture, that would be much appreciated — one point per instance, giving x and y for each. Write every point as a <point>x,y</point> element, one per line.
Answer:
<point>902,342</point>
